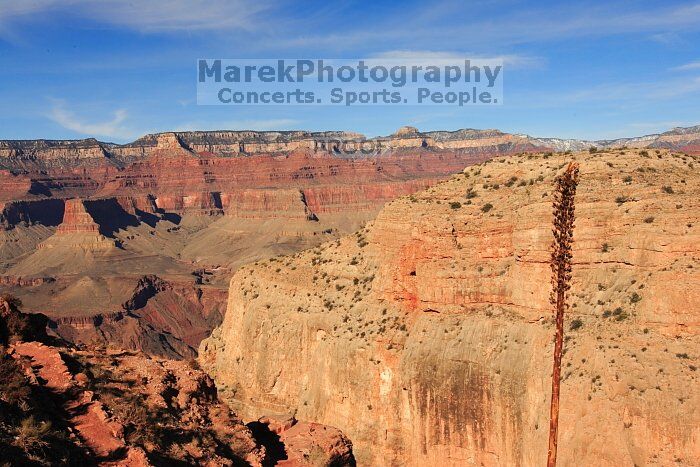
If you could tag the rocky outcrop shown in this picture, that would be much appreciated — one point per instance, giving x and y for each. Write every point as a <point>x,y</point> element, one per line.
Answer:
<point>427,336</point>
<point>680,139</point>
<point>172,203</point>
<point>107,407</point>
<point>78,231</point>
<point>110,400</point>
<point>162,318</point>
<point>76,219</point>
<point>47,153</point>
<point>26,281</point>
<point>292,443</point>
<point>14,186</point>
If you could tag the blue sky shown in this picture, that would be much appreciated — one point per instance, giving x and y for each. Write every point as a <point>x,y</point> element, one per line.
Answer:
<point>117,69</point>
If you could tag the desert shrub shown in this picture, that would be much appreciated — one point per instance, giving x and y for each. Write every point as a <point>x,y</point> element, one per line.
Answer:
<point>30,436</point>
<point>644,153</point>
<point>667,189</point>
<point>593,150</point>
<point>635,297</point>
<point>193,364</point>
<point>605,248</point>
<point>620,314</point>
<point>621,200</point>
<point>13,302</point>
<point>471,194</point>
<point>455,205</point>
<point>139,426</point>
<point>649,220</point>
<point>486,207</point>
<point>14,387</point>
<point>576,324</point>
<point>627,179</point>
<point>15,325</point>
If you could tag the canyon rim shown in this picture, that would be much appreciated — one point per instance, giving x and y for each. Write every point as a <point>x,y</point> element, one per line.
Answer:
<point>339,234</point>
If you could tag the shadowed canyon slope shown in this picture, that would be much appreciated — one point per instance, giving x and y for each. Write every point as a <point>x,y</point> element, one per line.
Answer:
<point>427,335</point>
<point>135,243</point>
<point>62,405</point>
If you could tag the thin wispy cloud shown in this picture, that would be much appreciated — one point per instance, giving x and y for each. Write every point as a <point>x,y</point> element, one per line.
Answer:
<point>113,128</point>
<point>146,16</point>
<point>667,38</point>
<point>688,66</point>
<point>515,27</point>
<point>511,60</point>
<point>621,93</point>
<point>142,55</point>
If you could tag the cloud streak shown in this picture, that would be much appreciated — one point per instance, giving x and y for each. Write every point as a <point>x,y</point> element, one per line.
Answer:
<point>688,66</point>
<point>510,60</point>
<point>146,16</point>
<point>516,27</point>
<point>113,128</point>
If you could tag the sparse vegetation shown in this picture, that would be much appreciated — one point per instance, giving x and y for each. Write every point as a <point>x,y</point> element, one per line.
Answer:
<point>486,207</point>
<point>620,314</point>
<point>31,436</point>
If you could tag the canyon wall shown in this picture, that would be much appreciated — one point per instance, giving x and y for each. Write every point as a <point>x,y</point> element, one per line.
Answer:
<point>427,336</point>
<point>97,217</point>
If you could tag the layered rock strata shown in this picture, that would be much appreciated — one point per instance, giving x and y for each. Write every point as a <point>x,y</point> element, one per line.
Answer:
<point>427,336</point>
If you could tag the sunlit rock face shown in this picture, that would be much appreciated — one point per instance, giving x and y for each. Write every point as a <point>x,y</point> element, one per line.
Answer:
<point>427,336</point>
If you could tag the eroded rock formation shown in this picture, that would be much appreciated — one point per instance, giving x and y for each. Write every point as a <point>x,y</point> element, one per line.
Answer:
<point>427,336</point>
<point>104,406</point>
<point>97,217</point>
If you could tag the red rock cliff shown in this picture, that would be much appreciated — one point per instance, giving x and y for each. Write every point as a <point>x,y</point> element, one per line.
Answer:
<point>427,336</point>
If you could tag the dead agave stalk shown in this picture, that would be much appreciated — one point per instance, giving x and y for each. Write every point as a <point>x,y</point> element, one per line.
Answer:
<point>560,263</point>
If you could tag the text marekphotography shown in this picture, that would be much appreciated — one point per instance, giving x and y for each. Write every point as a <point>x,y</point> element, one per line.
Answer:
<point>424,81</point>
